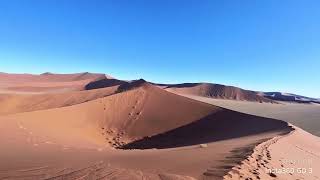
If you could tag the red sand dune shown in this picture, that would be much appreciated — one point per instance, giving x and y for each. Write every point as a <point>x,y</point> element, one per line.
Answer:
<point>47,82</point>
<point>49,77</point>
<point>144,110</point>
<point>132,114</point>
<point>62,140</point>
<point>17,103</point>
<point>216,91</point>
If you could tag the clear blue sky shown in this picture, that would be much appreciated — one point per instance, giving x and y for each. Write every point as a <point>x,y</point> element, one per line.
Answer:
<point>270,45</point>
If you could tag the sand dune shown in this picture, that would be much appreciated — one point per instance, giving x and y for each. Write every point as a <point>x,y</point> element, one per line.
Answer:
<point>17,103</point>
<point>63,142</point>
<point>216,91</point>
<point>130,114</point>
<point>48,77</point>
<point>45,83</point>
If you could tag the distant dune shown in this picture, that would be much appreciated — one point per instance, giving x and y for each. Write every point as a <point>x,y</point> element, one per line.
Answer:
<point>18,103</point>
<point>49,77</point>
<point>46,82</point>
<point>216,91</point>
<point>278,96</point>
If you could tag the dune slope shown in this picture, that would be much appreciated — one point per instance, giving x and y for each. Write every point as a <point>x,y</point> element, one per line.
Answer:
<point>142,111</point>
<point>17,103</point>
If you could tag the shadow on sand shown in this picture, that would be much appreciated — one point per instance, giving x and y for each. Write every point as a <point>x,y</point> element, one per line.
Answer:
<point>221,125</point>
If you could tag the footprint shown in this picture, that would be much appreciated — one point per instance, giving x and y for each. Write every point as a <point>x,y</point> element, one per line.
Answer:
<point>272,175</point>
<point>49,142</point>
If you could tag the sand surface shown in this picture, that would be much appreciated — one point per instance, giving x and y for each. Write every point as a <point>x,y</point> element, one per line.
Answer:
<point>112,129</point>
<point>294,156</point>
<point>79,141</point>
<point>28,152</point>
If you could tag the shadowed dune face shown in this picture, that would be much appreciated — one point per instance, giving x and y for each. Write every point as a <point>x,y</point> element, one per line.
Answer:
<point>122,85</point>
<point>133,84</point>
<point>216,91</point>
<point>102,83</point>
<point>217,126</point>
